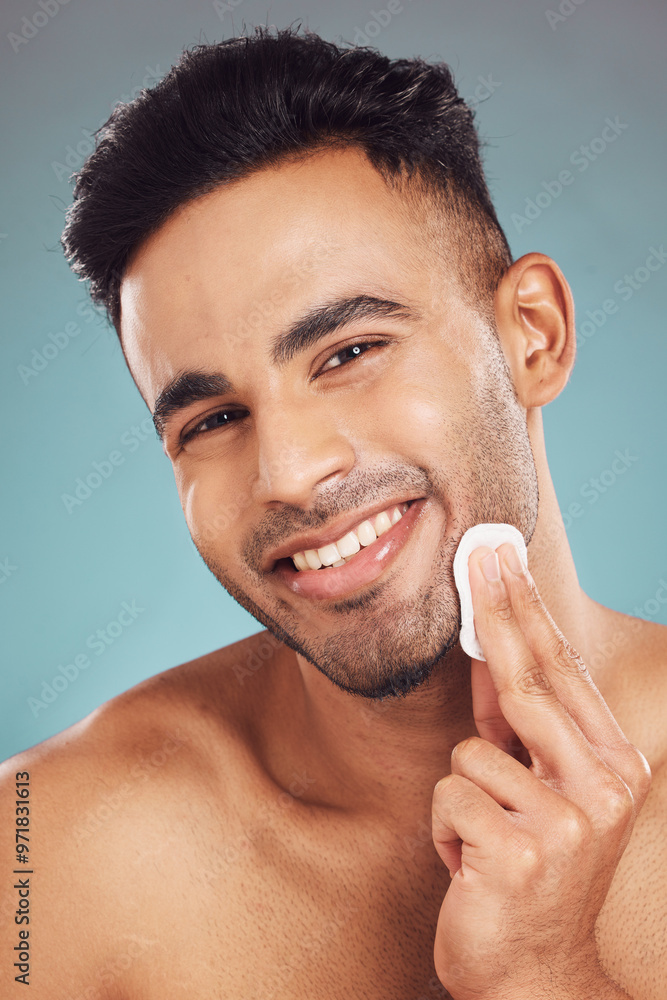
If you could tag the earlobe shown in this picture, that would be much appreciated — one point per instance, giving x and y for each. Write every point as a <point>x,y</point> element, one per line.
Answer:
<point>535,319</point>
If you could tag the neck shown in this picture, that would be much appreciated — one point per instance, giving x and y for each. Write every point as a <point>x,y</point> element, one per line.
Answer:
<point>383,759</point>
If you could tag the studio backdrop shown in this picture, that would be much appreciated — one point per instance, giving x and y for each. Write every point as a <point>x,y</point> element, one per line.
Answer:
<point>100,584</point>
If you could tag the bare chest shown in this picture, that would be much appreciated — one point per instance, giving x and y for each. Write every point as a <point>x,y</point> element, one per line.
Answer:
<point>274,913</point>
<point>271,918</point>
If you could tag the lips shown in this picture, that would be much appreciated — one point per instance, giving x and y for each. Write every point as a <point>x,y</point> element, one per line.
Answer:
<point>343,549</point>
<point>363,568</point>
<point>318,539</point>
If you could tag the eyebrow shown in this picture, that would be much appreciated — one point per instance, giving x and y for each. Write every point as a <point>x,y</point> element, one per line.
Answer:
<point>196,385</point>
<point>184,390</point>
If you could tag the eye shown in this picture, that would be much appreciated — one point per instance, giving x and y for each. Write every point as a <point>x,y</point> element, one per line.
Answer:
<point>349,353</point>
<point>221,418</point>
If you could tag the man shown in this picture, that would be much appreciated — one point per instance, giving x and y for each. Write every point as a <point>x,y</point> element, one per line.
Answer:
<point>297,248</point>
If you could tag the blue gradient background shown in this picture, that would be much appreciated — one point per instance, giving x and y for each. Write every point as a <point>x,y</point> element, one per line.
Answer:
<point>553,88</point>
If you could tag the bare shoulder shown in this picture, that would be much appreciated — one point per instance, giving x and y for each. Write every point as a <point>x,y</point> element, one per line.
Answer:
<point>629,666</point>
<point>115,796</point>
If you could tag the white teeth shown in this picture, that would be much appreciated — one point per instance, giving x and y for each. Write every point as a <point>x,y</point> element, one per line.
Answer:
<point>312,558</point>
<point>382,523</point>
<point>366,533</point>
<point>300,561</point>
<point>348,545</point>
<point>329,554</point>
<point>340,552</point>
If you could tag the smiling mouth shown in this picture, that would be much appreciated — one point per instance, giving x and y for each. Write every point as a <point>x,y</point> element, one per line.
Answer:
<point>344,549</point>
<point>373,545</point>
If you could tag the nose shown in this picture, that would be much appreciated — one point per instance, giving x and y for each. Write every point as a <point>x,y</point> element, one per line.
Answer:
<point>297,450</point>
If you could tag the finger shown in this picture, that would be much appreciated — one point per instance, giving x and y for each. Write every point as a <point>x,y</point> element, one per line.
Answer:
<point>560,752</point>
<point>470,830</point>
<point>491,724</point>
<point>569,676</point>
<point>507,781</point>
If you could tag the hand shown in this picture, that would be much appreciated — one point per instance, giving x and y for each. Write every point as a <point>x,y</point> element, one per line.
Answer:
<point>532,850</point>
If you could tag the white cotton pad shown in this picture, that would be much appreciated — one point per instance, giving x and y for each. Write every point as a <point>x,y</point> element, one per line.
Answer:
<point>491,535</point>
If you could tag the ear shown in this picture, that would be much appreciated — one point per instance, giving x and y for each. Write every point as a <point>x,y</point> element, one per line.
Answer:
<point>535,319</point>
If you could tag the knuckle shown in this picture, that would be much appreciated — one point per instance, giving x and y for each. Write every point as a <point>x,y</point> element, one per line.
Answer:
<point>565,657</point>
<point>527,852</point>
<point>574,828</point>
<point>615,805</point>
<point>533,681</point>
<point>502,610</point>
<point>619,803</point>
<point>531,598</point>
<point>641,774</point>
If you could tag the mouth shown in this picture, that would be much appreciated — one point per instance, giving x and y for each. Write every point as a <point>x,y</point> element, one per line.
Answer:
<point>357,557</point>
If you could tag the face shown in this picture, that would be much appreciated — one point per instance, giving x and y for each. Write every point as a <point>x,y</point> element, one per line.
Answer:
<point>314,369</point>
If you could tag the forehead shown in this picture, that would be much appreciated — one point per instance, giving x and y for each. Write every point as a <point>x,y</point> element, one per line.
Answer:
<point>311,228</point>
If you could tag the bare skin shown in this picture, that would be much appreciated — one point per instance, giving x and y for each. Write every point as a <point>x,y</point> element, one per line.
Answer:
<point>242,825</point>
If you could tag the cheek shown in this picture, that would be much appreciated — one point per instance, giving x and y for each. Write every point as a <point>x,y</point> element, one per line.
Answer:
<point>189,494</point>
<point>422,402</point>
<point>412,418</point>
<point>210,516</point>
<point>417,428</point>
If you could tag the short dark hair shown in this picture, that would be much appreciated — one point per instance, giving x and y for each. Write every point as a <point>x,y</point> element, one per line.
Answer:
<point>233,107</point>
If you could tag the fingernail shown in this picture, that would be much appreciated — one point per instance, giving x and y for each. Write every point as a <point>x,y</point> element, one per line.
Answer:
<point>514,562</point>
<point>491,567</point>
